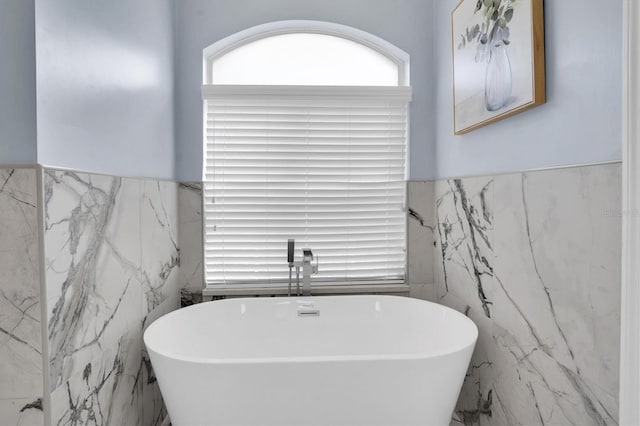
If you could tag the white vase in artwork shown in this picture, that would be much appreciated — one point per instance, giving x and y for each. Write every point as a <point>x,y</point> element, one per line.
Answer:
<point>497,89</point>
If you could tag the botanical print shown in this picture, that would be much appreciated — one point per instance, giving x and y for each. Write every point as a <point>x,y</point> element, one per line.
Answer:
<point>494,60</point>
<point>492,40</point>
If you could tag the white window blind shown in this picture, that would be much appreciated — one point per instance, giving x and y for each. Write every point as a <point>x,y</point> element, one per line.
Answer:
<point>322,165</point>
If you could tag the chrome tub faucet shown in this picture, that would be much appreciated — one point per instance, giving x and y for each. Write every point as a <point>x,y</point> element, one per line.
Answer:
<point>308,268</point>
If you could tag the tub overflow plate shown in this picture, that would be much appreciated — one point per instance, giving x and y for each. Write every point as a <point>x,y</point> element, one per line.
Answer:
<point>307,309</point>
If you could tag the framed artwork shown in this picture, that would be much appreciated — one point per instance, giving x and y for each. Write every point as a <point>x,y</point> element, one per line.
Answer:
<point>498,60</point>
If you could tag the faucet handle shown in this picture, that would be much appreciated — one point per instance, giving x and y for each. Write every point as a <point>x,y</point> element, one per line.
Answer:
<point>291,243</point>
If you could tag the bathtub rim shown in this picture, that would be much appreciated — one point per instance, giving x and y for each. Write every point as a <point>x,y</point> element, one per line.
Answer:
<point>315,359</point>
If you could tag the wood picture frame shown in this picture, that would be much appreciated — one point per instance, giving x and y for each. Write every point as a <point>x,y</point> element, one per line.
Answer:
<point>498,60</point>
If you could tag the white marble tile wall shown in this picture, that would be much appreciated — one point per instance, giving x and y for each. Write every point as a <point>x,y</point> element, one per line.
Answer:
<point>94,291</point>
<point>534,259</point>
<point>160,254</point>
<point>191,241</point>
<point>21,375</point>
<point>161,262</point>
<point>420,239</point>
<point>112,262</point>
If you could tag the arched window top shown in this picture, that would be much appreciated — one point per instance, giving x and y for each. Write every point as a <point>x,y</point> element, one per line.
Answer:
<point>305,53</point>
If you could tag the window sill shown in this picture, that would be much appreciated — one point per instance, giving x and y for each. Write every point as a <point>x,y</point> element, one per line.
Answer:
<point>317,290</point>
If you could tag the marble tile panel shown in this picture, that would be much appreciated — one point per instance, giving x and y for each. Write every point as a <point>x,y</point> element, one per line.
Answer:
<point>94,291</point>
<point>463,276</point>
<point>188,297</point>
<point>476,402</point>
<point>556,305</point>
<point>20,320</point>
<point>153,410</point>
<point>547,255</point>
<point>161,259</point>
<point>21,412</point>
<point>456,420</point>
<point>420,229</point>
<point>464,253</point>
<point>105,392</point>
<point>190,236</point>
<point>422,291</point>
<point>160,256</point>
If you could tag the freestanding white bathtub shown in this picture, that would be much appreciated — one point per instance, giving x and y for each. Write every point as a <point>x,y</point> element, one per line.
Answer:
<point>364,360</point>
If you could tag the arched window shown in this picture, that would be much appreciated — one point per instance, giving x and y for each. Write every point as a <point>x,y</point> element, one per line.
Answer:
<point>305,53</point>
<point>305,138</point>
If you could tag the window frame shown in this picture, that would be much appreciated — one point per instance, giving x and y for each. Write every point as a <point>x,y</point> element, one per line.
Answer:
<point>396,55</point>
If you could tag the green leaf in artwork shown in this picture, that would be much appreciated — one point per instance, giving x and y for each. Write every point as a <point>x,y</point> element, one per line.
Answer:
<point>462,43</point>
<point>473,33</point>
<point>493,29</point>
<point>508,14</point>
<point>492,33</point>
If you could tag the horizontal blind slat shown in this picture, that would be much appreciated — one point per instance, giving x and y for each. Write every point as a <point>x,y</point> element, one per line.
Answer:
<point>327,172</point>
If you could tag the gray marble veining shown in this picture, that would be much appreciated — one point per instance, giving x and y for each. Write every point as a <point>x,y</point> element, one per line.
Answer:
<point>558,274</point>
<point>420,239</point>
<point>160,254</point>
<point>21,411</point>
<point>534,258</point>
<point>93,283</point>
<point>21,375</point>
<point>153,410</point>
<point>112,261</point>
<point>464,233</point>
<point>161,264</point>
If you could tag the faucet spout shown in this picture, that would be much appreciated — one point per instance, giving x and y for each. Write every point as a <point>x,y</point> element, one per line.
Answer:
<point>307,270</point>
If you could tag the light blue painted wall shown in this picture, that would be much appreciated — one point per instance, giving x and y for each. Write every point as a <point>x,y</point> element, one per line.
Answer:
<point>17,82</point>
<point>105,101</point>
<point>404,23</point>
<point>579,124</point>
<point>105,86</point>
